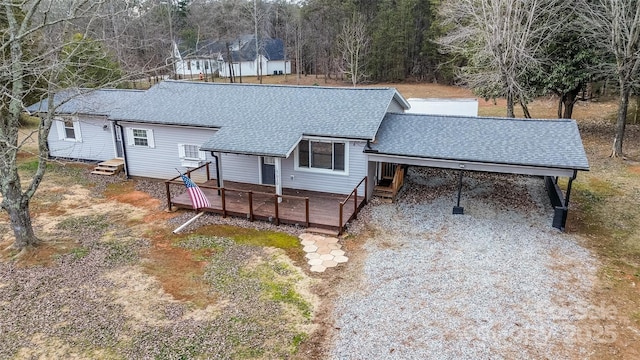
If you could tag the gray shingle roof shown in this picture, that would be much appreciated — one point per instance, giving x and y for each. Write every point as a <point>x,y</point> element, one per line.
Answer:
<point>263,119</point>
<point>87,101</point>
<point>546,143</point>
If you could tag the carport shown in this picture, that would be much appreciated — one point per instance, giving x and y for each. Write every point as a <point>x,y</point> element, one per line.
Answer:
<point>548,148</point>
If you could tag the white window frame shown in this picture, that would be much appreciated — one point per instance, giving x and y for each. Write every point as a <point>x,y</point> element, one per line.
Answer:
<point>131,139</point>
<point>186,161</point>
<point>345,172</point>
<point>62,129</point>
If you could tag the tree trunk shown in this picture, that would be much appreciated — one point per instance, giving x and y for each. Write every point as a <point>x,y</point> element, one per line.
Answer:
<point>560,103</point>
<point>569,100</point>
<point>510,110</point>
<point>623,103</point>
<point>18,208</point>
<point>525,109</point>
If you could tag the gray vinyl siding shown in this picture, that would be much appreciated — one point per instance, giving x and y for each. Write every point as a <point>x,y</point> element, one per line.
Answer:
<point>240,168</point>
<point>162,161</point>
<point>96,144</point>
<point>332,183</point>
<point>395,107</point>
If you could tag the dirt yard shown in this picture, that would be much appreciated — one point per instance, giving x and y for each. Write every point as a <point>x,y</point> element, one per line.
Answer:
<point>110,280</point>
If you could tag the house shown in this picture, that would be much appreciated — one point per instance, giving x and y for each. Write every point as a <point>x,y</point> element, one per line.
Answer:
<point>193,62</point>
<point>213,57</point>
<point>81,129</point>
<point>292,140</point>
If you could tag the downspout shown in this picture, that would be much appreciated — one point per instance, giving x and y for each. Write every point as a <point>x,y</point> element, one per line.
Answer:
<point>566,198</point>
<point>124,149</point>
<point>217,171</point>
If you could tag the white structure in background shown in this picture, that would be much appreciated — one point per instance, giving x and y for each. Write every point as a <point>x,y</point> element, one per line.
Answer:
<point>271,60</point>
<point>457,107</point>
<point>211,57</point>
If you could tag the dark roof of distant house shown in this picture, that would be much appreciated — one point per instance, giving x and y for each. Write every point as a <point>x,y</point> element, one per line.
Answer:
<point>88,101</point>
<point>243,49</point>
<point>541,143</point>
<point>265,120</point>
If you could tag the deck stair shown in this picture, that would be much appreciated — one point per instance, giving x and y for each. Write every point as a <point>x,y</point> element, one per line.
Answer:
<point>388,187</point>
<point>109,167</point>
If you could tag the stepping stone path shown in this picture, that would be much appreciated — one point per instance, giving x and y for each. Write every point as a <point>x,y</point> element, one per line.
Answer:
<point>322,251</point>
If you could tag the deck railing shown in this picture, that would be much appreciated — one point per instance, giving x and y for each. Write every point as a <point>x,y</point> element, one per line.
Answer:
<point>188,174</point>
<point>356,208</point>
<point>250,200</point>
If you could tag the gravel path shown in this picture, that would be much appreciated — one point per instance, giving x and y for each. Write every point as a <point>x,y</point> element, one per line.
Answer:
<point>497,282</point>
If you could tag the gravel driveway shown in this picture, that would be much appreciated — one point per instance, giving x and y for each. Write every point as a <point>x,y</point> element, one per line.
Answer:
<point>497,282</point>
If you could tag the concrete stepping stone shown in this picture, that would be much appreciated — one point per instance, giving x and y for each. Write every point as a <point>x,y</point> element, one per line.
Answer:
<point>322,252</point>
<point>337,252</point>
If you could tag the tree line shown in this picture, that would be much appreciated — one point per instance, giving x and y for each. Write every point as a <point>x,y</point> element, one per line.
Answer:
<point>516,49</point>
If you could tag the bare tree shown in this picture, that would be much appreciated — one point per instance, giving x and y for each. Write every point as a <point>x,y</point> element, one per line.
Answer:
<point>353,42</point>
<point>502,40</point>
<point>614,27</point>
<point>35,57</point>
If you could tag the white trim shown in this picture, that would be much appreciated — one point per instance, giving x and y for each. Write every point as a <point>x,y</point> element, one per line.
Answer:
<point>131,139</point>
<point>310,169</point>
<point>76,131</point>
<point>62,131</point>
<point>472,166</point>
<point>278,176</point>
<point>60,128</point>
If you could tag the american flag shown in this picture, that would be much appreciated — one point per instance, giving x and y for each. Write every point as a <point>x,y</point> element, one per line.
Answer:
<point>198,199</point>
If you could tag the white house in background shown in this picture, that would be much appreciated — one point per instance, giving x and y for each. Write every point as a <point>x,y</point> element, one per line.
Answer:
<point>271,59</point>
<point>432,106</point>
<point>213,57</point>
<point>192,63</point>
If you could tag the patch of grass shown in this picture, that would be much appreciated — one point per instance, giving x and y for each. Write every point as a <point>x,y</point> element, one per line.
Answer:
<point>30,166</point>
<point>92,223</point>
<point>246,236</point>
<point>297,340</point>
<point>79,252</point>
<point>121,252</point>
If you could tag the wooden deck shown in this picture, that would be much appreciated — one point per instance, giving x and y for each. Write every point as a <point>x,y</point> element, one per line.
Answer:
<point>259,202</point>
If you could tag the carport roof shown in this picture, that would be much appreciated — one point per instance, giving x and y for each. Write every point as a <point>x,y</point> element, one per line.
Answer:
<point>504,141</point>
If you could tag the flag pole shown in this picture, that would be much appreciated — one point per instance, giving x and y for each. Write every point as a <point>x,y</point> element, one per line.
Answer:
<point>188,222</point>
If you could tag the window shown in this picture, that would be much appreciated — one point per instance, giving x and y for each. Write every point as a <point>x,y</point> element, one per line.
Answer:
<point>68,129</point>
<point>198,64</point>
<point>191,152</point>
<point>321,155</point>
<point>188,64</point>
<point>190,155</point>
<point>140,137</point>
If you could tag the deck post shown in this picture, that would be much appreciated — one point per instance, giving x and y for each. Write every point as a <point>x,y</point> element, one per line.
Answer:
<point>221,176</point>
<point>166,184</point>
<point>306,211</point>
<point>355,205</point>
<point>278,170</point>
<point>340,219</point>
<point>208,173</point>
<point>277,215</point>
<point>366,189</point>
<point>250,205</point>
<point>224,205</point>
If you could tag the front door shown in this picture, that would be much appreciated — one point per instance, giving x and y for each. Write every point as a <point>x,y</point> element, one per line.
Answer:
<point>268,170</point>
<point>118,142</point>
